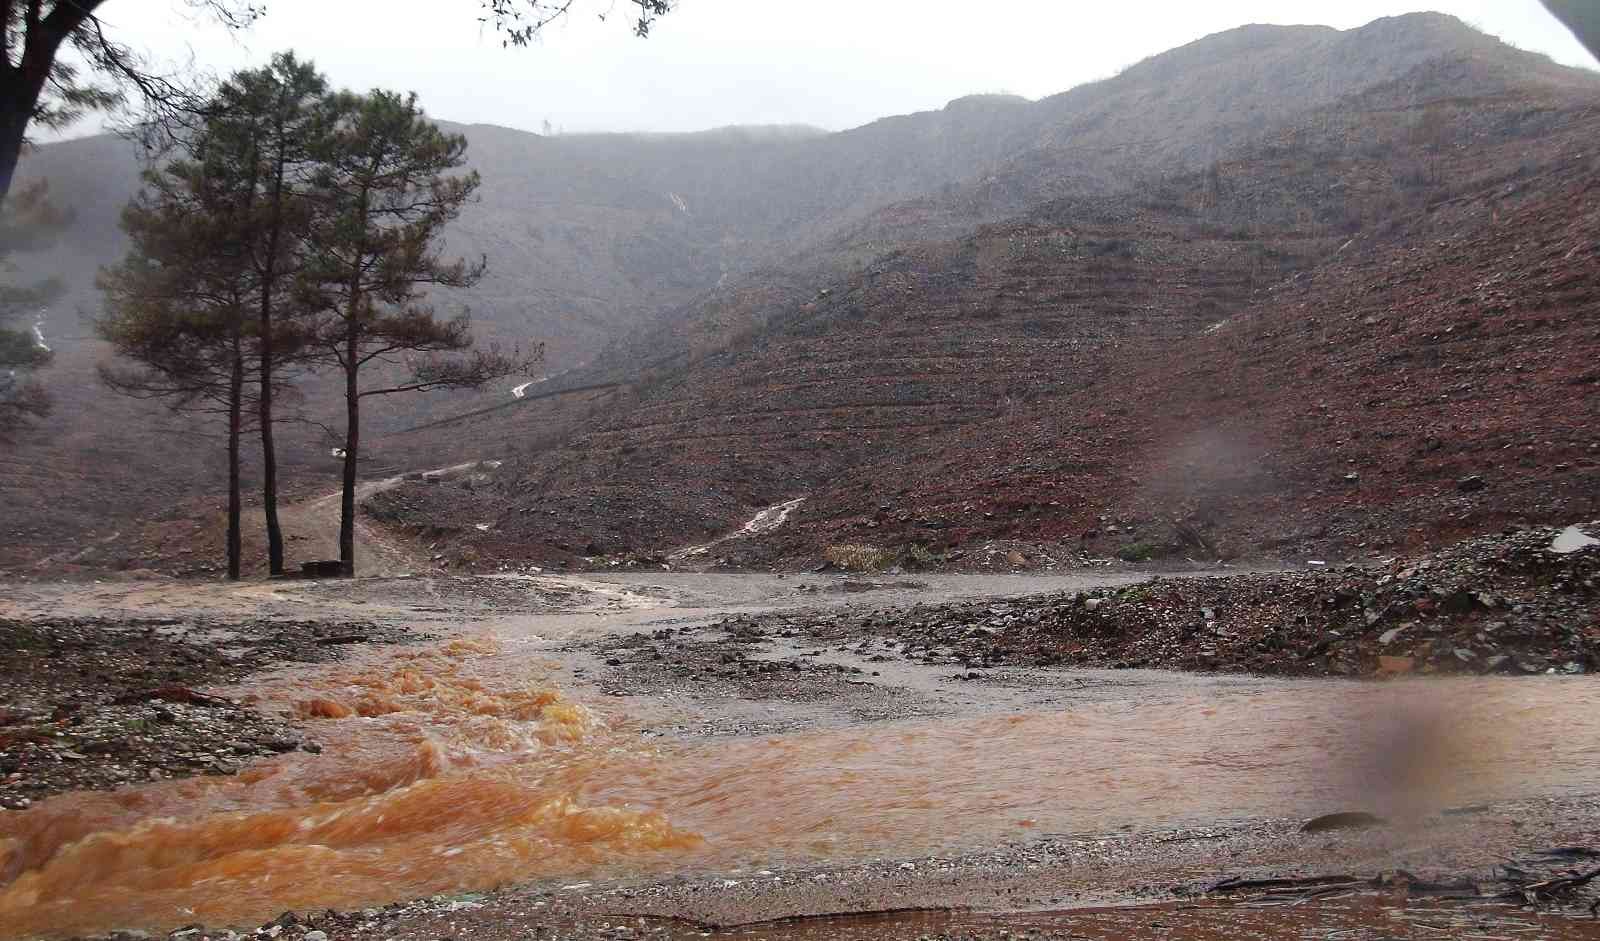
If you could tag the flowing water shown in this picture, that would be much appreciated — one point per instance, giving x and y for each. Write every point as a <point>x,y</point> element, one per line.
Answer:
<point>459,767</point>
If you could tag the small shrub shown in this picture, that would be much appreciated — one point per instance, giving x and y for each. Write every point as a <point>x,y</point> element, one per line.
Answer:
<point>859,558</point>
<point>1137,552</point>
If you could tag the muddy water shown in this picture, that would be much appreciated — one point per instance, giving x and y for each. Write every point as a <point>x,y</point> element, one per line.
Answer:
<point>460,768</point>
<point>1301,750</point>
<point>431,780</point>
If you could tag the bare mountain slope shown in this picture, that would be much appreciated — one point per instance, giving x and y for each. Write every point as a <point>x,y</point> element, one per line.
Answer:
<point>1169,115</point>
<point>586,235</point>
<point>1065,365</point>
<point>1425,384</point>
<point>798,304</point>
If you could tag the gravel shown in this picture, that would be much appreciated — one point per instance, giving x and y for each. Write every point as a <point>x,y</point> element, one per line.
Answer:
<point>1506,603</point>
<point>96,703</point>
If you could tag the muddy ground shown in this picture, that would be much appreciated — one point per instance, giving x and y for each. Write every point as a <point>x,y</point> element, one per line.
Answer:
<point>92,703</point>
<point>724,657</point>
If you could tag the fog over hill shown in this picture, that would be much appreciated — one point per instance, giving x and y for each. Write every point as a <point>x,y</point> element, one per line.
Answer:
<point>649,258</point>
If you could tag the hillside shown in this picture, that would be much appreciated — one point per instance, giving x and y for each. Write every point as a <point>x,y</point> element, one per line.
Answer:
<point>1422,386</point>
<point>793,312</point>
<point>587,235</point>
<point>1216,348</point>
<point>1169,115</point>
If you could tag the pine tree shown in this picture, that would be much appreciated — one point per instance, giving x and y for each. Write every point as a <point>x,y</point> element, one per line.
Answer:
<point>177,304</point>
<point>387,190</point>
<point>266,118</point>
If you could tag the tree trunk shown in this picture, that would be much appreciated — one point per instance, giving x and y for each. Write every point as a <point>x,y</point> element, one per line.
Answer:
<point>235,426</point>
<point>13,126</point>
<point>352,444</point>
<point>269,275</point>
<point>35,47</point>
<point>269,452</point>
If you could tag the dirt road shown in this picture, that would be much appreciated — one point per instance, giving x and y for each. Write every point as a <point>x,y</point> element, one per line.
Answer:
<point>314,526</point>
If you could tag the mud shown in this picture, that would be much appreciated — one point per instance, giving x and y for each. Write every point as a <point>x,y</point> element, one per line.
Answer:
<point>605,757</point>
<point>101,703</point>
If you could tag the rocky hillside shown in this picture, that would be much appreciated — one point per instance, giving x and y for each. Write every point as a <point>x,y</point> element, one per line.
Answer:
<point>1169,115</point>
<point>1364,331</point>
<point>792,312</point>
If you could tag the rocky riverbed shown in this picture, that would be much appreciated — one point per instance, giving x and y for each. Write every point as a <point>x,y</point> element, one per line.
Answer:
<point>1522,602</point>
<point>94,703</point>
<point>795,705</point>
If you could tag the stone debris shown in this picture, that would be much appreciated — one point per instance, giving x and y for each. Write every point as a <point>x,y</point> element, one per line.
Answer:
<point>96,703</point>
<point>1496,604</point>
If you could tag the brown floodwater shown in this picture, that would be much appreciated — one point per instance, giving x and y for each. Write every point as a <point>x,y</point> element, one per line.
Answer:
<point>457,768</point>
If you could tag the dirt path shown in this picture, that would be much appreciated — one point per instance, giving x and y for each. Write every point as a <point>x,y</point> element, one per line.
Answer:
<point>314,526</point>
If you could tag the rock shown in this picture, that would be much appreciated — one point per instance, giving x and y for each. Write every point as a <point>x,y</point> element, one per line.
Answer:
<point>1459,601</point>
<point>1572,539</point>
<point>1395,666</point>
<point>1092,604</point>
<point>317,935</point>
<point>1471,483</point>
<point>1347,820</point>
<point>1388,636</point>
<point>1530,663</point>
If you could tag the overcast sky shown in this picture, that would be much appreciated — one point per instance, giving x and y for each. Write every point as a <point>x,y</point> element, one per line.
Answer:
<point>831,63</point>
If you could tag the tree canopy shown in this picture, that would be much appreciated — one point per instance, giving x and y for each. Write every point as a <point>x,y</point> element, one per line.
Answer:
<point>298,227</point>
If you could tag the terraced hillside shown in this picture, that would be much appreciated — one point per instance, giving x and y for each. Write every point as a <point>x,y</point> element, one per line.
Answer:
<point>1419,387</point>
<point>1170,115</point>
<point>1204,349</point>
<point>785,307</point>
